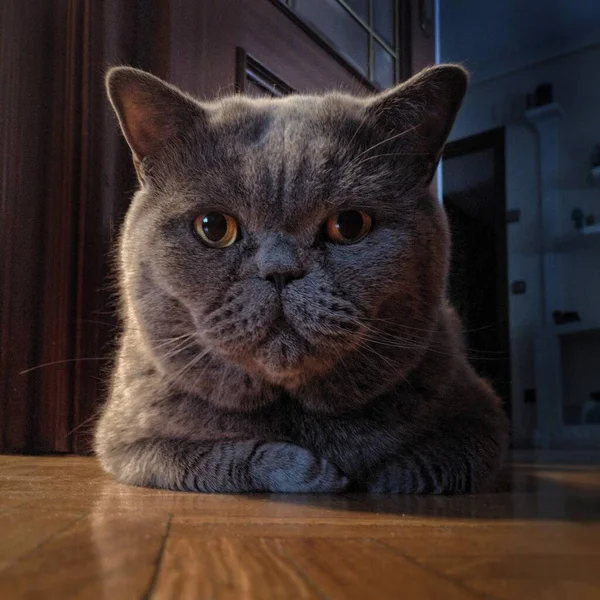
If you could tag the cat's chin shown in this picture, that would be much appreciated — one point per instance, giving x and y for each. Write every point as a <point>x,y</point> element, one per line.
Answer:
<point>285,358</point>
<point>288,379</point>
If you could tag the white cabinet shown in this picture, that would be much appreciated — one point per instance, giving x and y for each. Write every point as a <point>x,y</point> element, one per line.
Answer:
<point>563,251</point>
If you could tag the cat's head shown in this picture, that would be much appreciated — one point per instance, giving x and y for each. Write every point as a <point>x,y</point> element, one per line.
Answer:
<point>289,237</point>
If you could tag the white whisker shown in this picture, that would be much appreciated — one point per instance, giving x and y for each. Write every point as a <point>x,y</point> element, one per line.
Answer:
<point>391,138</point>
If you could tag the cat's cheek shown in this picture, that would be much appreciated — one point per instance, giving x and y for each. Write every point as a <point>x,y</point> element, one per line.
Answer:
<point>371,272</point>
<point>241,320</point>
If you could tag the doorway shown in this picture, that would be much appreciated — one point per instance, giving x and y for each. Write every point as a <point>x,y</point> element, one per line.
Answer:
<point>474,195</point>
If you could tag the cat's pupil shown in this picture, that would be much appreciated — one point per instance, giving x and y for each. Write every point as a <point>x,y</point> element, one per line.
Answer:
<point>214,226</point>
<point>350,224</point>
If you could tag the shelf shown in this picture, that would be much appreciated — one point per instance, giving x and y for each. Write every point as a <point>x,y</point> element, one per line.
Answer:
<point>586,435</point>
<point>588,237</point>
<point>540,113</point>
<point>577,328</point>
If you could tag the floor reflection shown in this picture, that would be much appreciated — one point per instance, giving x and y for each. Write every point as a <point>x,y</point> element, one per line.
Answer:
<point>527,490</point>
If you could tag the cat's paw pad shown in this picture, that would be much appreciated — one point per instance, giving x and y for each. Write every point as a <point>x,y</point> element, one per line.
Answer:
<point>289,468</point>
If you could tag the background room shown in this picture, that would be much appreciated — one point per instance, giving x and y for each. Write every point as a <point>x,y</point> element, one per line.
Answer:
<point>522,180</point>
<point>519,179</point>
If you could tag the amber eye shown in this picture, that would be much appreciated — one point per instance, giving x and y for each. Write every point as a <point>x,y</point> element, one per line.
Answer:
<point>216,229</point>
<point>348,226</point>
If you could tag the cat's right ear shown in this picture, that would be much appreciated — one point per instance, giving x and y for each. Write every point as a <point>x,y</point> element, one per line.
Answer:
<point>151,112</point>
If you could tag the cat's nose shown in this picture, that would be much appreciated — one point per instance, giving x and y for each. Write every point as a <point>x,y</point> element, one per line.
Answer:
<point>278,261</point>
<point>280,280</point>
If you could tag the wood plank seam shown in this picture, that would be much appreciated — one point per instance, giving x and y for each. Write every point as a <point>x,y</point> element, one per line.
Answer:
<point>159,560</point>
<point>51,537</point>
<point>311,584</point>
<point>456,582</point>
<point>6,509</point>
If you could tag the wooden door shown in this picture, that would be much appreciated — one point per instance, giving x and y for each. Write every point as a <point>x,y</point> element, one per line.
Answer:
<point>67,174</point>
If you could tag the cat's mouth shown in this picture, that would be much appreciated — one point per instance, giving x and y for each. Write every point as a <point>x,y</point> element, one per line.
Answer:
<point>286,345</point>
<point>287,358</point>
<point>283,353</point>
<point>281,326</point>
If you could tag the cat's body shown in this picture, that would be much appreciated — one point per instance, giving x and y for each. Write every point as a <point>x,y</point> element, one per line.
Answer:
<point>286,360</point>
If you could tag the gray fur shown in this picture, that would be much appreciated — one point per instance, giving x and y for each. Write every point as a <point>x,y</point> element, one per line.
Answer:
<point>354,373</point>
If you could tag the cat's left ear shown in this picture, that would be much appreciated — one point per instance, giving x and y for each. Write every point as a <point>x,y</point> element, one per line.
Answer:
<point>151,112</point>
<point>420,112</point>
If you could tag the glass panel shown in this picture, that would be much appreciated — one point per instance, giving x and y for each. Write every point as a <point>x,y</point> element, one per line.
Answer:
<point>339,27</point>
<point>383,19</point>
<point>361,8</point>
<point>256,91</point>
<point>383,66</point>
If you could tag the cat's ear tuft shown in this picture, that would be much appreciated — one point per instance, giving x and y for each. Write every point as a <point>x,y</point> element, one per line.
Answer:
<point>422,109</point>
<point>151,112</point>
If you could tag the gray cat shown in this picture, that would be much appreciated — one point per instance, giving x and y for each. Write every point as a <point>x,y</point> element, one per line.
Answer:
<point>283,272</point>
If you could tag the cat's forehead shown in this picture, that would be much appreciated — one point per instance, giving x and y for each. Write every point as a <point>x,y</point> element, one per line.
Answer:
<point>289,158</point>
<point>288,124</point>
<point>287,111</point>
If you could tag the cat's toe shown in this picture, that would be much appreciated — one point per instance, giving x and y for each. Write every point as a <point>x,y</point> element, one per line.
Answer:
<point>329,478</point>
<point>294,469</point>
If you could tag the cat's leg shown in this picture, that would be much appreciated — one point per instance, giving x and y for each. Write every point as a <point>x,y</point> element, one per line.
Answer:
<point>222,466</point>
<point>461,459</point>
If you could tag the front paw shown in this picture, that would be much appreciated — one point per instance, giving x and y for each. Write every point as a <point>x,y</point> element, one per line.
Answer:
<point>284,467</point>
<point>394,477</point>
<point>409,475</point>
<point>420,475</point>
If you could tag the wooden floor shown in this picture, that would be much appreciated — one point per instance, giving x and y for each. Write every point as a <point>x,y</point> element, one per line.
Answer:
<point>68,531</point>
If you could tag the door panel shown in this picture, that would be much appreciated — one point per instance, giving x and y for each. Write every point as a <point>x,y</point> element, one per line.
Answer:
<point>254,79</point>
<point>276,38</point>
